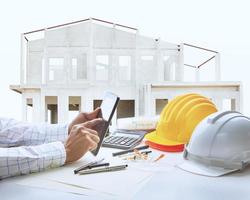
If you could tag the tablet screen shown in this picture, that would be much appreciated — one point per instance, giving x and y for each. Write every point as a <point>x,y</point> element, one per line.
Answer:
<point>108,106</point>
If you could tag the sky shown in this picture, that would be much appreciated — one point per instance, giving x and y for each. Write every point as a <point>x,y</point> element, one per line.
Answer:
<point>219,25</point>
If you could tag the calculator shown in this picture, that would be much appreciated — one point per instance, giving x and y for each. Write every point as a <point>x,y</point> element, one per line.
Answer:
<point>124,139</point>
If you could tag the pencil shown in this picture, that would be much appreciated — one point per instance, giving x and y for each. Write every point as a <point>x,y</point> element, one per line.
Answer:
<point>160,157</point>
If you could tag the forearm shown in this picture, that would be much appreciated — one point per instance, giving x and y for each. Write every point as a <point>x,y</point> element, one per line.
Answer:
<point>14,133</point>
<point>28,159</point>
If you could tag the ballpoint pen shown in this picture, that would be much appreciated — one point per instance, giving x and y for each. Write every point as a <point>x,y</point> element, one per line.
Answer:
<point>87,165</point>
<point>97,165</point>
<point>105,169</point>
<point>130,150</point>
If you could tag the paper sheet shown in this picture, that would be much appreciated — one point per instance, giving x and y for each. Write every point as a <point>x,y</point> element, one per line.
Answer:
<point>166,164</point>
<point>35,181</point>
<point>105,185</point>
<point>113,183</point>
<point>41,180</point>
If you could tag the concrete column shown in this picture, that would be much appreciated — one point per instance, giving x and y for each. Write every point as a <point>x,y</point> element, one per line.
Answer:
<point>45,114</point>
<point>167,70</point>
<point>238,104</point>
<point>147,101</point>
<point>239,99</point>
<point>159,62</point>
<point>172,69</point>
<point>67,68</point>
<point>88,104</point>
<point>153,106</point>
<point>63,108</point>
<point>82,103</point>
<point>90,65</point>
<point>179,72</point>
<point>113,61</point>
<point>114,70</point>
<point>43,108</point>
<point>233,104</point>
<point>46,61</point>
<point>138,94</point>
<point>36,108</point>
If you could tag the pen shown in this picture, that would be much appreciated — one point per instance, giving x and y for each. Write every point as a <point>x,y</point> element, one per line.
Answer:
<point>130,150</point>
<point>91,166</point>
<point>105,169</point>
<point>87,165</point>
<point>146,152</point>
<point>98,165</point>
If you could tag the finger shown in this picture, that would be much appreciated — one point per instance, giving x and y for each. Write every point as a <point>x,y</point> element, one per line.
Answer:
<point>95,138</point>
<point>92,123</point>
<point>87,126</point>
<point>91,144</point>
<point>90,136</point>
<point>94,114</point>
<point>90,131</point>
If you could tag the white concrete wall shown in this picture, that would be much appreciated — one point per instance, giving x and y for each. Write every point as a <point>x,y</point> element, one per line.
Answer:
<point>91,39</point>
<point>151,61</point>
<point>218,92</point>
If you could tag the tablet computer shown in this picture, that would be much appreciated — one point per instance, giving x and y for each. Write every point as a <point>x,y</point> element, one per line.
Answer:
<point>108,107</point>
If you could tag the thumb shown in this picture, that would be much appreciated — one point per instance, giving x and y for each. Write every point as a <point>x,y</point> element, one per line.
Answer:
<point>94,114</point>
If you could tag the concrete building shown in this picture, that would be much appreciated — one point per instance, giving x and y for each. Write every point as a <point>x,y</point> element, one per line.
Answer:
<point>66,68</point>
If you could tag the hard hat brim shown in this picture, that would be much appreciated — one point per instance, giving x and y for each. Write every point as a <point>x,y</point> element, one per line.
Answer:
<point>156,142</point>
<point>167,148</point>
<point>201,169</point>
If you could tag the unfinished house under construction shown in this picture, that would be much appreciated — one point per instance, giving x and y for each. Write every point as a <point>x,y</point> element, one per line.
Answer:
<point>66,69</point>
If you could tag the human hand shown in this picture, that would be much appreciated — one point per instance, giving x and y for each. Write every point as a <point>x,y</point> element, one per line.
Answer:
<point>82,138</point>
<point>84,117</point>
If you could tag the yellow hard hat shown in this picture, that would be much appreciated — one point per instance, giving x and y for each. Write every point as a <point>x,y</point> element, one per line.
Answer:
<point>178,120</point>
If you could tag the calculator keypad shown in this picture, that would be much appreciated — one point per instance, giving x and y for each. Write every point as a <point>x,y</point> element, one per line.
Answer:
<point>119,141</point>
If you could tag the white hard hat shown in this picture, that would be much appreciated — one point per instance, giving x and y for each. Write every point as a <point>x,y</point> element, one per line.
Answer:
<point>220,144</point>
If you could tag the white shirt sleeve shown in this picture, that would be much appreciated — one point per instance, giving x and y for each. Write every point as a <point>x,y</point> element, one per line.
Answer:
<point>27,159</point>
<point>14,133</point>
<point>29,147</point>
